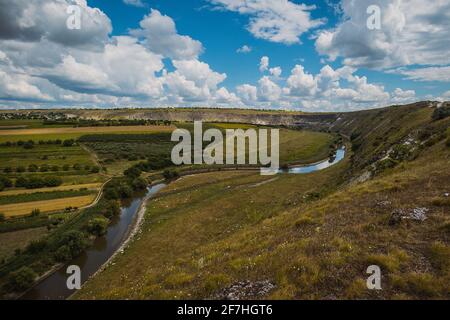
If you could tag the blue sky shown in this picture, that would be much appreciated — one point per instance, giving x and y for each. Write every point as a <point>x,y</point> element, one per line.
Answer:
<point>185,53</point>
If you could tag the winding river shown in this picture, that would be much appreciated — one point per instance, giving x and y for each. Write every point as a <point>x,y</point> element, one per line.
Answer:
<point>54,286</point>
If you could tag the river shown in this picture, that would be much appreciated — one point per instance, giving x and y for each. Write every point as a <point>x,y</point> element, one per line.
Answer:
<point>54,286</point>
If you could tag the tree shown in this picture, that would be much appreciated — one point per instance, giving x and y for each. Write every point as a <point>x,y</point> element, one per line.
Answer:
<point>125,191</point>
<point>74,241</point>
<point>139,183</point>
<point>95,169</point>
<point>441,112</point>
<point>21,279</point>
<point>111,209</point>
<point>170,174</point>
<point>21,182</point>
<point>35,212</point>
<point>111,193</point>
<point>132,172</point>
<point>98,225</point>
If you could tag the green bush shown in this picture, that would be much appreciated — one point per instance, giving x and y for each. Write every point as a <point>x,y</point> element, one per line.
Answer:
<point>2,217</point>
<point>35,212</point>
<point>7,183</point>
<point>125,191</point>
<point>75,241</point>
<point>111,209</point>
<point>68,143</point>
<point>111,193</point>
<point>21,279</point>
<point>441,113</point>
<point>98,225</point>
<point>95,169</point>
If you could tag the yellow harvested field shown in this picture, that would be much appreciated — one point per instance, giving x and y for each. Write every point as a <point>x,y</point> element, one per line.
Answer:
<point>18,209</point>
<point>112,129</point>
<point>90,186</point>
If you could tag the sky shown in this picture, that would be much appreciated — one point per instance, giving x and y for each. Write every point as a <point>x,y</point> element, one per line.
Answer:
<point>330,55</point>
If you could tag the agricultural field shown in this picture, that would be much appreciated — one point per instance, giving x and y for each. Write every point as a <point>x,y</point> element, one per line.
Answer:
<point>18,240</point>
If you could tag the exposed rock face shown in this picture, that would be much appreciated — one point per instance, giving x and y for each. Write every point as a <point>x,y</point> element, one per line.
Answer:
<point>246,290</point>
<point>417,214</point>
<point>316,121</point>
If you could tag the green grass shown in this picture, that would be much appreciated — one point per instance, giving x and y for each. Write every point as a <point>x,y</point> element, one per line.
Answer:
<point>206,232</point>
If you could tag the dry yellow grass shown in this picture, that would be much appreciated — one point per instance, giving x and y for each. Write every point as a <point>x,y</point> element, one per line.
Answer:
<point>90,186</point>
<point>112,129</point>
<point>18,240</point>
<point>18,209</point>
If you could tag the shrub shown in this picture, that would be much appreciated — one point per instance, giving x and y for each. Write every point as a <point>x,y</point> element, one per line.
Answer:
<point>63,254</point>
<point>68,143</point>
<point>21,182</point>
<point>7,170</point>
<point>77,166</point>
<point>44,168</point>
<point>66,167</point>
<point>7,183</point>
<point>170,174</point>
<point>52,181</point>
<point>20,169</point>
<point>35,212</point>
<point>439,255</point>
<point>125,191</point>
<point>2,217</point>
<point>36,246</point>
<point>21,279</point>
<point>447,143</point>
<point>95,169</point>
<point>32,168</point>
<point>55,168</point>
<point>28,145</point>
<point>441,113</point>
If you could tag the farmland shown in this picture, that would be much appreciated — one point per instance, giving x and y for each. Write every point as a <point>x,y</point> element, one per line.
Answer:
<point>309,236</point>
<point>306,236</point>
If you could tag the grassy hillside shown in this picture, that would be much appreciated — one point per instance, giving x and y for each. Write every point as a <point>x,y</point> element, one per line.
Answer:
<point>303,236</point>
